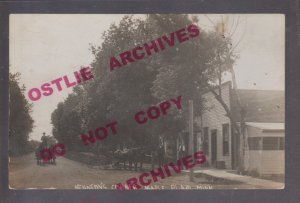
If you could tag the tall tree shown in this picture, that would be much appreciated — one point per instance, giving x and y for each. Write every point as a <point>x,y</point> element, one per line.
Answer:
<point>67,119</point>
<point>20,120</point>
<point>194,69</point>
<point>184,69</point>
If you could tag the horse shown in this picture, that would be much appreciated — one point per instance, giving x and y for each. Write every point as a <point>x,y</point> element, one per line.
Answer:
<point>51,155</point>
<point>122,156</point>
<point>139,155</point>
<point>37,156</point>
<point>133,156</point>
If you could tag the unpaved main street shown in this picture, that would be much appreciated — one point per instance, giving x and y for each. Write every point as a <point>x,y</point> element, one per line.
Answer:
<point>66,174</point>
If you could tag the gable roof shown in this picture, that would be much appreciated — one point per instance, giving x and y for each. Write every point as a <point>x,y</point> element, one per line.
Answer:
<point>260,105</point>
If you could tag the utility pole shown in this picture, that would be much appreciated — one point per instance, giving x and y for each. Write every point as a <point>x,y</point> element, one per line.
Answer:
<point>191,135</point>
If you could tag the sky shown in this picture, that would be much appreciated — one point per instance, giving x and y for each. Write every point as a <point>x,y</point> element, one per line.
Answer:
<point>43,47</point>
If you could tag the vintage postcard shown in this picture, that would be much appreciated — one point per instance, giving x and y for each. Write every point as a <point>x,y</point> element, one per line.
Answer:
<point>147,101</point>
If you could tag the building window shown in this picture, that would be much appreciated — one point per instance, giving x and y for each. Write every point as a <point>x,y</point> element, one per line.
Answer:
<point>255,143</point>
<point>266,143</point>
<point>205,141</point>
<point>225,133</point>
<point>273,143</point>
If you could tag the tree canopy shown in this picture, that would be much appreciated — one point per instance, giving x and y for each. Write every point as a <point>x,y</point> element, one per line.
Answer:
<point>185,69</point>
<point>20,120</point>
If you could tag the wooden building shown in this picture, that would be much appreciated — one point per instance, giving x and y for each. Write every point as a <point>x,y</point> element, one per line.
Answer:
<point>264,130</point>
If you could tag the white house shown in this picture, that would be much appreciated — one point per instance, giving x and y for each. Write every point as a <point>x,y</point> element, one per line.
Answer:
<point>264,119</point>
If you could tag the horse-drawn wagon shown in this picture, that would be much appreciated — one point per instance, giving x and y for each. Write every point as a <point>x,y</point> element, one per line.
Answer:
<point>43,159</point>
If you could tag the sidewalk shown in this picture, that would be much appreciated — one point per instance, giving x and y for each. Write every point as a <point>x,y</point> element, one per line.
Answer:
<point>224,175</point>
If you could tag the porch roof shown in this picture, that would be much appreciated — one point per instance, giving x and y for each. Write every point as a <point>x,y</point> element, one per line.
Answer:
<point>267,126</point>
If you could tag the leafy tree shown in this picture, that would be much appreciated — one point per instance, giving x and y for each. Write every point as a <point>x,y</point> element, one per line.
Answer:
<point>66,120</point>
<point>186,69</point>
<point>20,120</point>
<point>33,144</point>
<point>191,71</point>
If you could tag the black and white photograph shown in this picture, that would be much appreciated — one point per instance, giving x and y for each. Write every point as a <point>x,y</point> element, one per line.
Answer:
<point>146,101</point>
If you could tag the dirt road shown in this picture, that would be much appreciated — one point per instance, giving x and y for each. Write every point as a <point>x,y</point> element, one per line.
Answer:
<point>67,174</point>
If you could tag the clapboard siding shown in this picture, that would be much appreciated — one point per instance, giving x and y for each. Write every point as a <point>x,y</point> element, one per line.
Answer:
<point>213,118</point>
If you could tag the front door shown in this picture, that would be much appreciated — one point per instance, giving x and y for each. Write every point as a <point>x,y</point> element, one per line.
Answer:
<point>213,147</point>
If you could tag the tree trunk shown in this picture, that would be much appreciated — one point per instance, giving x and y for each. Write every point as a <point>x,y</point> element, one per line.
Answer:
<point>243,140</point>
<point>238,130</point>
